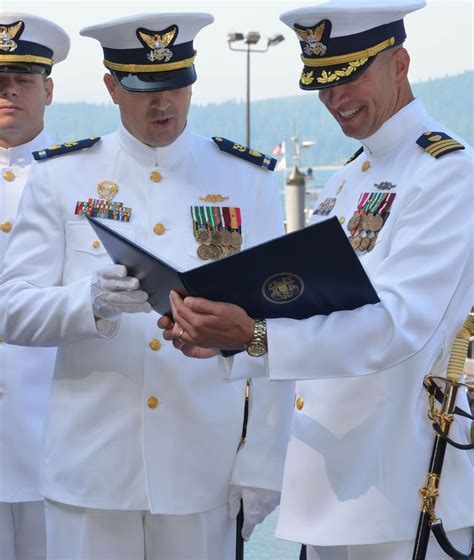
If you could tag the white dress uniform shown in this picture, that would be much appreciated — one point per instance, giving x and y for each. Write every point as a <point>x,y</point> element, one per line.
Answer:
<point>361,440</point>
<point>132,424</point>
<point>25,382</point>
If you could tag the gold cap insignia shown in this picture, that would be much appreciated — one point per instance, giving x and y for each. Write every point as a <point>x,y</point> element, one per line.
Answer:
<point>158,43</point>
<point>7,34</point>
<point>213,198</point>
<point>312,37</point>
<point>107,189</point>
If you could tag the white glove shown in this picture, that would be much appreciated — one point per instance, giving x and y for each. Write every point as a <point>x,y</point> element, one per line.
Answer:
<point>257,504</point>
<point>114,293</point>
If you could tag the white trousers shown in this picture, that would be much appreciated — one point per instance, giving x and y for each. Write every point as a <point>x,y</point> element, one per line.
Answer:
<point>76,533</point>
<point>22,531</point>
<point>460,539</point>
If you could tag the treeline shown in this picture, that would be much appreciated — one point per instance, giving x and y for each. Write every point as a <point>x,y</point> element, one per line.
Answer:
<point>447,99</point>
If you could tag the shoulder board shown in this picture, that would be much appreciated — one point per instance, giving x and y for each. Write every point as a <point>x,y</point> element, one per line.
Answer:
<point>66,148</point>
<point>438,144</point>
<point>354,156</point>
<point>240,151</point>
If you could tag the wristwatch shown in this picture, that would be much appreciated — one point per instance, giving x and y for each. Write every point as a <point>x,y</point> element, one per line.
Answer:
<point>258,345</point>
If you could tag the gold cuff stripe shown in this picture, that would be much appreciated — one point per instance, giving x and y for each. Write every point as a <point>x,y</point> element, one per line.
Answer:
<point>25,58</point>
<point>341,59</point>
<point>137,68</point>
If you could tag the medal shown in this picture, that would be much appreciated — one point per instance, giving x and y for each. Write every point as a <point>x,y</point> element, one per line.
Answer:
<point>216,237</point>
<point>226,238</point>
<point>236,240</point>
<point>204,252</point>
<point>203,236</point>
<point>355,241</point>
<point>354,221</point>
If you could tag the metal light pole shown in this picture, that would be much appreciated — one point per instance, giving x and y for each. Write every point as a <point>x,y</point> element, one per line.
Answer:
<point>252,38</point>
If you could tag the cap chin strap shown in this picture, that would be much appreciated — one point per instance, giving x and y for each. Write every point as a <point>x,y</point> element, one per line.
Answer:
<point>139,68</point>
<point>341,59</point>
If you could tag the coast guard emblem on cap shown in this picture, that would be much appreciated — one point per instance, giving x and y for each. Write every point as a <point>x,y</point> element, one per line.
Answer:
<point>158,42</point>
<point>8,33</point>
<point>284,287</point>
<point>312,37</point>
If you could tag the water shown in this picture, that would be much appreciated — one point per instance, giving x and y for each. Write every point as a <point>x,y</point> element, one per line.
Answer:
<point>264,546</point>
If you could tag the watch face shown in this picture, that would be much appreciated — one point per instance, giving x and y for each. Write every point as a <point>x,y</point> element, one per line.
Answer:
<point>256,349</point>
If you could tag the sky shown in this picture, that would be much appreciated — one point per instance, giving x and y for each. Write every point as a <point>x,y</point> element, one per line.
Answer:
<point>440,42</point>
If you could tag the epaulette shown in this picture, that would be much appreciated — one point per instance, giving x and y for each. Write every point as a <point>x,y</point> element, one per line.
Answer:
<point>245,153</point>
<point>354,156</point>
<point>438,144</point>
<point>66,148</point>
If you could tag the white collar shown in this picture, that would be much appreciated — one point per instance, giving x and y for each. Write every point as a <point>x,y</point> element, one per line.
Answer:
<point>165,156</point>
<point>396,130</point>
<point>22,155</point>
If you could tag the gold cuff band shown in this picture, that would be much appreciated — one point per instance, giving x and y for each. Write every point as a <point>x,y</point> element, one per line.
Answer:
<point>25,58</point>
<point>331,60</point>
<point>138,68</point>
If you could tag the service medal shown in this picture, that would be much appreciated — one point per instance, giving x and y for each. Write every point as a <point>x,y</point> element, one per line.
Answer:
<point>226,238</point>
<point>216,237</point>
<point>355,241</point>
<point>354,221</point>
<point>203,236</point>
<point>236,240</point>
<point>204,252</point>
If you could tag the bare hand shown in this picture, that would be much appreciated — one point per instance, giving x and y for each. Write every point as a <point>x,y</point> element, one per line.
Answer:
<point>189,350</point>
<point>206,324</point>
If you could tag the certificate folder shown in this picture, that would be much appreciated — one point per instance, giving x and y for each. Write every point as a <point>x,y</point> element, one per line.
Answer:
<point>313,271</point>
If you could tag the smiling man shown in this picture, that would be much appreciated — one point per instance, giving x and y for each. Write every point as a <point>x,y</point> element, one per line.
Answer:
<point>143,454</point>
<point>29,46</point>
<point>361,440</point>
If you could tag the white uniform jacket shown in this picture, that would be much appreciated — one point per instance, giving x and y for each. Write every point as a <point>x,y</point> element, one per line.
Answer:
<point>107,444</point>
<point>361,440</point>
<point>25,373</point>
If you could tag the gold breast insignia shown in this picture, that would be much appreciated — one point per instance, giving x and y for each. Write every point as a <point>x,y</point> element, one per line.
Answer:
<point>213,198</point>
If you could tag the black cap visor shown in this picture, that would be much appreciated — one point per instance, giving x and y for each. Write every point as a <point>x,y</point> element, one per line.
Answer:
<point>156,81</point>
<point>330,76</point>
<point>23,68</point>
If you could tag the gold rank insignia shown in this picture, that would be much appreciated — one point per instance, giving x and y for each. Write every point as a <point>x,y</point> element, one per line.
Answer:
<point>8,33</point>
<point>158,43</point>
<point>438,144</point>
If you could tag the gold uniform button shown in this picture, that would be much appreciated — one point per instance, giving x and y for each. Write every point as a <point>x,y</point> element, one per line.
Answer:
<point>156,176</point>
<point>299,403</point>
<point>6,227</point>
<point>342,220</point>
<point>152,402</point>
<point>96,244</point>
<point>155,344</point>
<point>159,229</point>
<point>365,165</point>
<point>9,175</point>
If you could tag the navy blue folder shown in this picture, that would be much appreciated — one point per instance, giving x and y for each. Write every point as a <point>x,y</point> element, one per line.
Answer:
<point>313,271</point>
